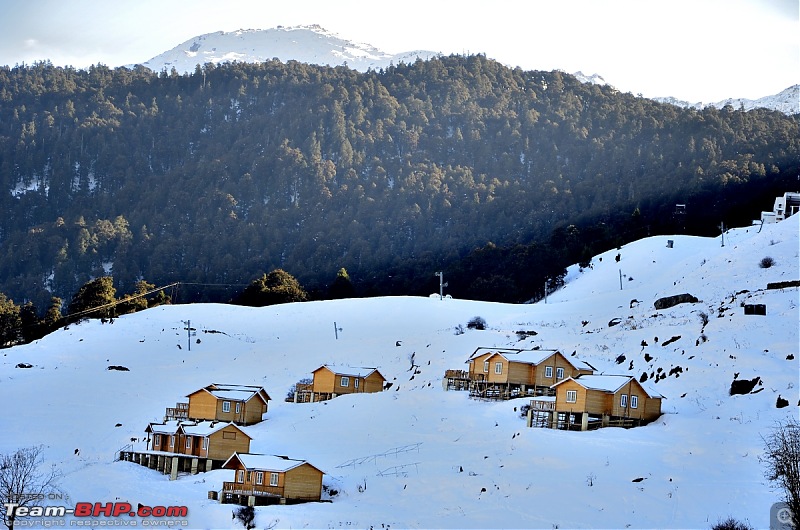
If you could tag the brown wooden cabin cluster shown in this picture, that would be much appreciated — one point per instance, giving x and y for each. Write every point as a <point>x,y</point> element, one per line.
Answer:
<point>505,373</point>
<point>206,433</point>
<point>329,382</point>
<point>564,394</point>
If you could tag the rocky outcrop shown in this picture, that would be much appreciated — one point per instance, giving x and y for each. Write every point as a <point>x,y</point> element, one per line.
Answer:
<point>669,301</point>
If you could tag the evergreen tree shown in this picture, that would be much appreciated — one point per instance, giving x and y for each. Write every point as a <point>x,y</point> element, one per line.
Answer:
<point>10,322</point>
<point>52,316</point>
<point>277,287</point>
<point>129,304</point>
<point>160,298</point>
<point>341,287</point>
<point>95,293</point>
<point>30,323</point>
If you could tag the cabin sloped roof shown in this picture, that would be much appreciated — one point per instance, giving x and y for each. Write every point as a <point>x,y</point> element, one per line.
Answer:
<point>168,427</point>
<point>207,428</point>
<point>607,383</point>
<point>234,392</point>
<point>517,355</point>
<point>354,371</point>
<point>273,463</point>
<point>586,366</point>
<point>532,356</point>
<point>484,350</point>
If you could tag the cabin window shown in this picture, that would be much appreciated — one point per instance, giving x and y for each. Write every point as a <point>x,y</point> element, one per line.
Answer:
<point>498,368</point>
<point>634,402</point>
<point>226,406</point>
<point>172,440</point>
<point>355,382</point>
<point>548,371</point>
<point>188,442</point>
<point>205,443</point>
<point>249,476</point>
<point>228,435</point>
<point>559,373</point>
<point>623,401</point>
<point>238,408</point>
<point>345,381</point>
<point>485,366</point>
<point>157,439</point>
<point>259,477</point>
<point>572,396</point>
<point>240,476</point>
<point>273,479</point>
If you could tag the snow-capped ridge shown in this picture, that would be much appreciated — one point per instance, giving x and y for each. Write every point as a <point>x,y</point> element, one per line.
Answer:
<point>314,44</point>
<point>311,44</point>
<point>787,101</point>
<point>594,79</point>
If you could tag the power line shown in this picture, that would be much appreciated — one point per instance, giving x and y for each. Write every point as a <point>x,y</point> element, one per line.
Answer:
<point>122,301</point>
<point>173,297</point>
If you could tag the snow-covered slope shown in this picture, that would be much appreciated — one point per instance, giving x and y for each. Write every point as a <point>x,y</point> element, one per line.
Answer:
<point>307,44</point>
<point>786,101</point>
<point>473,464</point>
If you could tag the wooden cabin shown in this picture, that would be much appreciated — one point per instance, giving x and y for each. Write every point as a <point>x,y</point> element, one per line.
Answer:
<point>593,401</point>
<point>214,440</point>
<point>507,373</point>
<point>270,479</point>
<point>331,381</point>
<point>187,446</point>
<point>163,436</point>
<point>207,439</point>
<point>240,404</point>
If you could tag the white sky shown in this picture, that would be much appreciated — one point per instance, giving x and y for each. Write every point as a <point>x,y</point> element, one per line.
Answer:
<point>697,50</point>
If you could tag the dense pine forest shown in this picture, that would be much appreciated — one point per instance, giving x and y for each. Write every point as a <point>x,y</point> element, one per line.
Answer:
<point>499,177</point>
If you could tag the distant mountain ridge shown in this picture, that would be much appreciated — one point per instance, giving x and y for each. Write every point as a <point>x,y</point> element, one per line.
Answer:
<point>306,44</point>
<point>314,44</point>
<point>786,101</point>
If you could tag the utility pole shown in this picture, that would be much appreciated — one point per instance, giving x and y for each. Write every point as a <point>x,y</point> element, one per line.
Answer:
<point>442,284</point>
<point>336,330</point>
<point>620,279</point>
<point>189,334</point>
<point>722,228</point>
<point>545,290</point>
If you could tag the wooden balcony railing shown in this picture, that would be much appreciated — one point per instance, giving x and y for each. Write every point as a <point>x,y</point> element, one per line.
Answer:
<point>304,387</point>
<point>540,404</point>
<point>237,488</point>
<point>179,412</point>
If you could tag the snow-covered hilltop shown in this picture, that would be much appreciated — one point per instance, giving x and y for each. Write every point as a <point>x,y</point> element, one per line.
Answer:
<point>416,456</point>
<point>787,101</point>
<point>308,44</point>
<point>594,79</point>
<point>313,44</point>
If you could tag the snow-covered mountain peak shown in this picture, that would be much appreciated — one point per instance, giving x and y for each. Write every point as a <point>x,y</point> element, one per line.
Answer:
<point>786,101</point>
<point>314,44</point>
<point>311,44</point>
<point>594,79</point>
